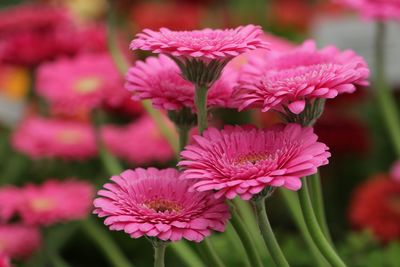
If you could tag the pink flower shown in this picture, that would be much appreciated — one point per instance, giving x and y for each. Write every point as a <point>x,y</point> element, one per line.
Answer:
<point>140,142</point>
<point>243,161</point>
<point>305,73</point>
<point>160,79</point>
<point>375,9</point>
<point>395,171</point>
<point>10,199</point>
<point>19,241</point>
<point>4,260</point>
<point>206,44</point>
<point>84,82</point>
<point>155,203</point>
<point>41,137</point>
<point>30,34</point>
<point>55,202</point>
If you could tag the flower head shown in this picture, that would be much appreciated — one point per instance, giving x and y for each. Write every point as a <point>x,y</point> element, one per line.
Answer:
<point>55,202</point>
<point>375,205</point>
<point>10,200</point>
<point>291,78</point>
<point>4,260</point>
<point>159,79</point>
<point>84,82</point>
<point>375,9</point>
<point>140,142</point>
<point>41,137</point>
<point>19,241</point>
<point>243,161</point>
<point>155,203</point>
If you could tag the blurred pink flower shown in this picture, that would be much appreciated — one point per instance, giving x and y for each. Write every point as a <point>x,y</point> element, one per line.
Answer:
<point>155,203</point>
<point>4,260</point>
<point>160,79</point>
<point>395,171</point>
<point>304,73</point>
<point>32,33</point>
<point>375,9</point>
<point>10,199</point>
<point>42,137</point>
<point>55,202</point>
<point>19,241</point>
<point>84,82</point>
<point>206,44</point>
<point>140,142</point>
<point>243,161</point>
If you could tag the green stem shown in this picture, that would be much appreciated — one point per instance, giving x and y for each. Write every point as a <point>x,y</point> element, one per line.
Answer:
<point>246,239</point>
<point>207,249</point>
<point>268,234</point>
<point>318,204</point>
<point>159,254</point>
<point>105,243</point>
<point>111,163</point>
<point>186,254</point>
<point>292,201</point>
<point>314,228</point>
<point>200,100</point>
<point>183,136</point>
<point>386,101</point>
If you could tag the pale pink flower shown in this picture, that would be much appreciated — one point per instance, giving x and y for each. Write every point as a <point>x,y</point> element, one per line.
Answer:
<point>55,202</point>
<point>292,77</point>
<point>19,241</point>
<point>206,44</point>
<point>375,9</point>
<point>10,199</point>
<point>160,79</point>
<point>140,142</point>
<point>83,82</point>
<point>156,203</point>
<point>40,137</point>
<point>243,161</point>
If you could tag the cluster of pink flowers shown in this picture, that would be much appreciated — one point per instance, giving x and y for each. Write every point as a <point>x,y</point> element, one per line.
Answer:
<point>381,10</point>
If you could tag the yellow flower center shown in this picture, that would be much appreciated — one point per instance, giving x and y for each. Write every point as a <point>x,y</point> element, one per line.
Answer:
<point>42,204</point>
<point>69,137</point>
<point>87,85</point>
<point>162,205</point>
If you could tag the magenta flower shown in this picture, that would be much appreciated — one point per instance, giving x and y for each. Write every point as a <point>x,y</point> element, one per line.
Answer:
<point>41,137</point>
<point>159,79</point>
<point>375,9</point>
<point>82,83</point>
<point>155,203</point>
<point>19,241</point>
<point>140,142</point>
<point>4,260</point>
<point>243,161</point>
<point>291,78</point>
<point>55,202</point>
<point>10,200</point>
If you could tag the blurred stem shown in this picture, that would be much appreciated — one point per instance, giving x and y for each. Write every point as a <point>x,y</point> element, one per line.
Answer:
<point>183,131</point>
<point>111,163</point>
<point>122,65</point>
<point>105,243</point>
<point>246,239</point>
<point>268,234</point>
<point>292,202</point>
<point>386,101</point>
<point>207,248</point>
<point>159,254</point>
<point>200,100</point>
<point>57,261</point>
<point>187,255</point>
<point>318,204</point>
<point>314,228</point>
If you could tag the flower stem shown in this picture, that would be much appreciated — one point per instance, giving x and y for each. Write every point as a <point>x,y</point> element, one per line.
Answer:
<point>200,100</point>
<point>244,235</point>
<point>314,228</point>
<point>207,248</point>
<point>318,204</point>
<point>187,255</point>
<point>183,136</point>
<point>105,242</point>
<point>268,234</point>
<point>385,98</point>
<point>159,254</point>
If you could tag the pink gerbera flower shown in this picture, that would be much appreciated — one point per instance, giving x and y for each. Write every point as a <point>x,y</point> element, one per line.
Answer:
<point>55,202</point>
<point>84,82</point>
<point>375,9</point>
<point>159,79</point>
<point>19,241</point>
<point>4,260</point>
<point>155,203</point>
<point>201,54</point>
<point>293,77</point>
<point>140,142</point>
<point>41,137</point>
<point>244,161</point>
<point>10,199</point>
